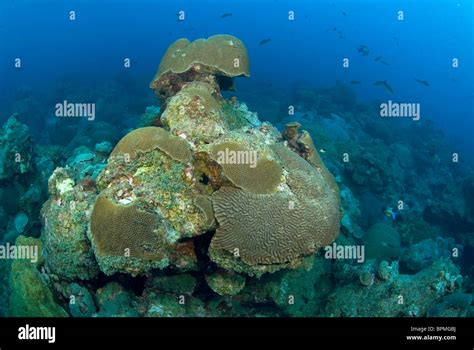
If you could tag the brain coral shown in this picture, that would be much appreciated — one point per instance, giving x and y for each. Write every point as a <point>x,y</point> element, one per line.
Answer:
<point>219,54</point>
<point>126,238</point>
<point>263,177</point>
<point>280,227</point>
<point>149,138</point>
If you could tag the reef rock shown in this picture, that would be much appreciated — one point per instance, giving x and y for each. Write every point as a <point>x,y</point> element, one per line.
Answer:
<point>263,200</point>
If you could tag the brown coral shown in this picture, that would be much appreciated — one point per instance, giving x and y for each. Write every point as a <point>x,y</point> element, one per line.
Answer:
<point>277,228</point>
<point>217,54</point>
<point>118,230</point>
<point>196,112</point>
<point>262,177</point>
<point>150,138</point>
<point>205,206</point>
<point>267,229</point>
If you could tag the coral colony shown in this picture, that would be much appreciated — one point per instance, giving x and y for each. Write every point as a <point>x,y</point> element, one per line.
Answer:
<point>205,210</point>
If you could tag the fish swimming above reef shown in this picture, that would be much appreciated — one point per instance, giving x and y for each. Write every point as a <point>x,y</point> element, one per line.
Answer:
<point>422,82</point>
<point>384,83</point>
<point>381,60</point>
<point>224,15</point>
<point>265,41</point>
<point>363,50</point>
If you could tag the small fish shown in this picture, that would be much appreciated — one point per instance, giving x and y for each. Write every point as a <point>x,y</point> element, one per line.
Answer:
<point>378,58</point>
<point>344,13</point>
<point>322,150</point>
<point>363,50</point>
<point>354,82</point>
<point>385,63</point>
<point>224,15</point>
<point>384,84</point>
<point>391,213</point>
<point>422,82</point>
<point>264,41</point>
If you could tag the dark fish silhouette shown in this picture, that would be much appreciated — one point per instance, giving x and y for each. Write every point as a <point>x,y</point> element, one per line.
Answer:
<point>224,15</point>
<point>264,41</point>
<point>384,84</point>
<point>344,13</point>
<point>363,50</point>
<point>422,82</point>
<point>355,82</point>
<point>381,60</point>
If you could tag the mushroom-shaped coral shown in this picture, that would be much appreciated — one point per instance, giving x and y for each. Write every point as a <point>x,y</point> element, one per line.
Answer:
<point>221,56</point>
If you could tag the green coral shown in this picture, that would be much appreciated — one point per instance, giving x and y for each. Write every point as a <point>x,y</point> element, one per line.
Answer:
<point>30,294</point>
<point>225,283</point>
<point>65,217</point>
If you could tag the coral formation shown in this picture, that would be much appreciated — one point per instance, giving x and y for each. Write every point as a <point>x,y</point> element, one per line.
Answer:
<point>65,216</point>
<point>217,56</point>
<point>148,138</point>
<point>204,210</point>
<point>125,238</point>
<point>27,284</point>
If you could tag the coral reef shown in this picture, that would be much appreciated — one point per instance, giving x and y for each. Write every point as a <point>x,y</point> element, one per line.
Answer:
<point>205,210</point>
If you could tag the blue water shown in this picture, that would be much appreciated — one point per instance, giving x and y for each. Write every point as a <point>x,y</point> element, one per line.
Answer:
<point>82,60</point>
<point>92,48</point>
